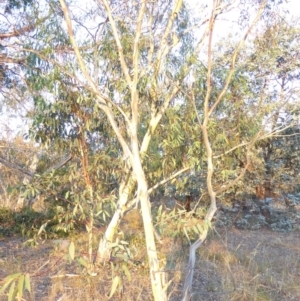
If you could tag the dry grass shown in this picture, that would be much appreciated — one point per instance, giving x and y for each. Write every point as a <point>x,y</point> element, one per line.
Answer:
<point>260,265</point>
<point>239,266</point>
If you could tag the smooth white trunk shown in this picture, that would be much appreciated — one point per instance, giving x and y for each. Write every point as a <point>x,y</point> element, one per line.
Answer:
<point>157,276</point>
<point>104,247</point>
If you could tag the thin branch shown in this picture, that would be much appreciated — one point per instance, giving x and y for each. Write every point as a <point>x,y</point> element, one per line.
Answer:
<point>16,167</point>
<point>5,59</point>
<point>162,50</point>
<point>171,177</point>
<point>100,100</point>
<point>133,86</point>
<point>118,42</point>
<point>209,65</point>
<point>248,162</point>
<point>60,164</point>
<point>74,44</point>
<point>135,55</point>
<point>132,203</point>
<point>31,174</point>
<point>231,150</point>
<point>151,40</point>
<point>155,119</point>
<point>192,98</point>
<point>232,67</point>
<point>18,32</point>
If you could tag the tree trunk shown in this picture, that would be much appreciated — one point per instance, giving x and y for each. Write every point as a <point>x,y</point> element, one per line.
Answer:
<point>187,290</point>
<point>157,277</point>
<point>188,200</point>
<point>104,247</point>
<point>264,190</point>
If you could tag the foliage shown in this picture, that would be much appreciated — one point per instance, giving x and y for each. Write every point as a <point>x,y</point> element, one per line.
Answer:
<point>17,284</point>
<point>39,225</point>
<point>177,222</point>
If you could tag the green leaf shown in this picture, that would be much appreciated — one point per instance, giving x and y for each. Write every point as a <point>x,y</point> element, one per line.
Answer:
<point>20,287</point>
<point>196,230</point>
<point>83,262</point>
<point>27,283</point>
<point>115,283</point>
<point>114,244</point>
<point>42,228</point>
<point>159,210</point>
<point>200,228</point>
<point>5,286</point>
<point>126,271</point>
<point>72,250</point>
<point>13,276</point>
<point>12,292</point>
<point>75,209</point>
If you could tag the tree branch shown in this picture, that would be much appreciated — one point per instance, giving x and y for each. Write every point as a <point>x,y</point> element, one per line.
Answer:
<point>161,51</point>
<point>74,44</point>
<point>131,203</point>
<point>118,42</point>
<point>60,164</point>
<point>232,67</point>
<point>17,32</point>
<point>241,175</point>
<point>16,167</point>
<point>100,100</point>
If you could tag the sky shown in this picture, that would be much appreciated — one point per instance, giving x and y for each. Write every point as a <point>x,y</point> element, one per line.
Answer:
<point>227,23</point>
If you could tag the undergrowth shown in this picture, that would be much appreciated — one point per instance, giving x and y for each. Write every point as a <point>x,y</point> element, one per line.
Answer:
<point>29,223</point>
<point>235,266</point>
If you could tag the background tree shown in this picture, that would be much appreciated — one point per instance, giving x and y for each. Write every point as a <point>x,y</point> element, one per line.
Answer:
<point>213,105</point>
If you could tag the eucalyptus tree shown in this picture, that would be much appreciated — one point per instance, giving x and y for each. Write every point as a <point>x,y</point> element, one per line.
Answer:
<point>18,23</point>
<point>279,71</point>
<point>10,66</point>
<point>235,109</point>
<point>121,63</point>
<point>141,50</point>
<point>255,90</point>
<point>140,66</point>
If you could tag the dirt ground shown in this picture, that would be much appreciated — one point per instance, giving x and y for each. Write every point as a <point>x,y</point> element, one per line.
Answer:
<point>232,265</point>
